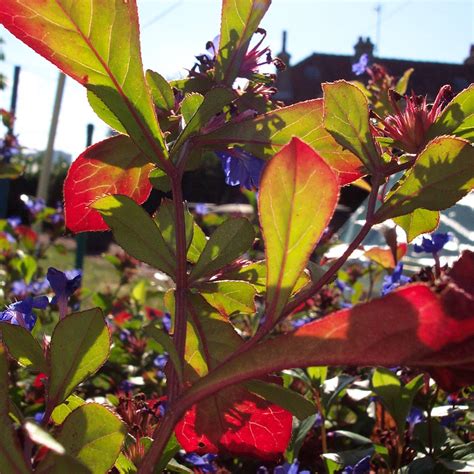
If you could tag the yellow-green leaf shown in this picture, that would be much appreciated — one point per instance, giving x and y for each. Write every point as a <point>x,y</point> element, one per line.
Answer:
<point>297,197</point>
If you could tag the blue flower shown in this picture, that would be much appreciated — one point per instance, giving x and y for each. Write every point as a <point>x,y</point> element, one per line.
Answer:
<point>201,209</point>
<point>21,312</point>
<point>58,215</point>
<point>296,323</point>
<point>396,279</point>
<point>433,244</point>
<point>63,285</point>
<point>20,289</point>
<point>34,205</point>
<point>14,221</point>
<point>293,468</point>
<point>160,360</point>
<point>362,467</point>
<point>39,416</point>
<point>241,168</point>
<point>360,66</point>
<point>203,463</point>
<point>126,386</point>
<point>415,416</point>
<point>166,321</point>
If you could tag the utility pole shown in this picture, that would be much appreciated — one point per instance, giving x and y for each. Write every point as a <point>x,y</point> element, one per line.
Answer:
<point>81,239</point>
<point>46,165</point>
<point>5,183</point>
<point>378,10</point>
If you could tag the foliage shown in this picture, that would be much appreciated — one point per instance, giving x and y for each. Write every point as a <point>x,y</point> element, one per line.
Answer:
<point>243,361</point>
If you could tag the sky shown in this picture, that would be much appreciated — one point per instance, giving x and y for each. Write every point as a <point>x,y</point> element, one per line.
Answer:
<point>173,31</point>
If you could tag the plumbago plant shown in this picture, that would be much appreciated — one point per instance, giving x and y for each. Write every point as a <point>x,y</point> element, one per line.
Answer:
<point>223,390</point>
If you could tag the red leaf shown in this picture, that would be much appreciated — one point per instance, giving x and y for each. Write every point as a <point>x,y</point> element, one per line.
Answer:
<point>265,135</point>
<point>463,271</point>
<point>113,166</point>
<point>458,301</point>
<point>246,425</point>
<point>233,420</point>
<point>411,326</point>
<point>384,256</point>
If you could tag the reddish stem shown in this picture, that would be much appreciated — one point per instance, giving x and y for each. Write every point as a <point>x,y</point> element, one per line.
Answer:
<point>181,282</point>
<point>183,402</point>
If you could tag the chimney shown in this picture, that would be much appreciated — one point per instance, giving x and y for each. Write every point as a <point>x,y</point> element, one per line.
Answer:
<point>363,47</point>
<point>284,56</point>
<point>470,58</point>
<point>283,80</point>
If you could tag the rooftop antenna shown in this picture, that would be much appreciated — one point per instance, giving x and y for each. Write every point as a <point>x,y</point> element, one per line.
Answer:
<point>378,10</point>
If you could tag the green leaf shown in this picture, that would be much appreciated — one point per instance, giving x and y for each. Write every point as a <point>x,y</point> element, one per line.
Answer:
<point>210,338</point>
<point>25,265</point>
<point>228,241</point>
<point>92,435</point>
<point>190,105</point>
<point>80,344</point>
<point>332,388</point>
<point>165,220</point>
<point>420,221</point>
<point>256,274</point>
<point>168,453</point>
<point>292,220</point>
<point>101,52</point>
<point>299,436</point>
<point>229,297</point>
<point>10,170</point>
<point>214,101</point>
<point>136,232</point>
<point>161,91</point>
<point>198,243</point>
<point>67,407</point>
<point>11,457</point>
<point>441,176</point>
<point>124,465</point>
<point>396,399</point>
<point>140,290</point>
<point>239,22</point>
<point>457,118</point>
<point>266,134</point>
<point>167,343</point>
<point>39,436</point>
<point>288,399</point>
<point>346,118</point>
<point>104,113</point>
<point>23,347</point>
<point>317,374</point>
<point>160,180</point>
<point>332,462</point>
<point>402,83</point>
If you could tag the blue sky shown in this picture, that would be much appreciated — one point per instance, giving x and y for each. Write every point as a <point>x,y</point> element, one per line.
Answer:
<point>173,31</point>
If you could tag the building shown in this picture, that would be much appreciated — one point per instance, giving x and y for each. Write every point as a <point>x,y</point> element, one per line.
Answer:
<point>302,81</point>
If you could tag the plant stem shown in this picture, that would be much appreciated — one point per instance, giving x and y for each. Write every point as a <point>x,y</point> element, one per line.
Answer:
<point>161,436</point>
<point>325,279</point>
<point>181,282</point>
<point>324,441</point>
<point>179,402</point>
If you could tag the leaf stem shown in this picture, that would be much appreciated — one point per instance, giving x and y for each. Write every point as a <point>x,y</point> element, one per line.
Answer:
<point>180,402</point>
<point>325,279</point>
<point>181,282</point>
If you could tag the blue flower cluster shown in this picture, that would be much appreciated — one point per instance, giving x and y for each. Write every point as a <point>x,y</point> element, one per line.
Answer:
<point>360,66</point>
<point>396,279</point>
<point>433,244</point>
<point>241,168</point>
<point>21,312</point>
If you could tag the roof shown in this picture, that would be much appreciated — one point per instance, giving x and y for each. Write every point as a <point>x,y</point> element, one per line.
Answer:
<point>306,77</point>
